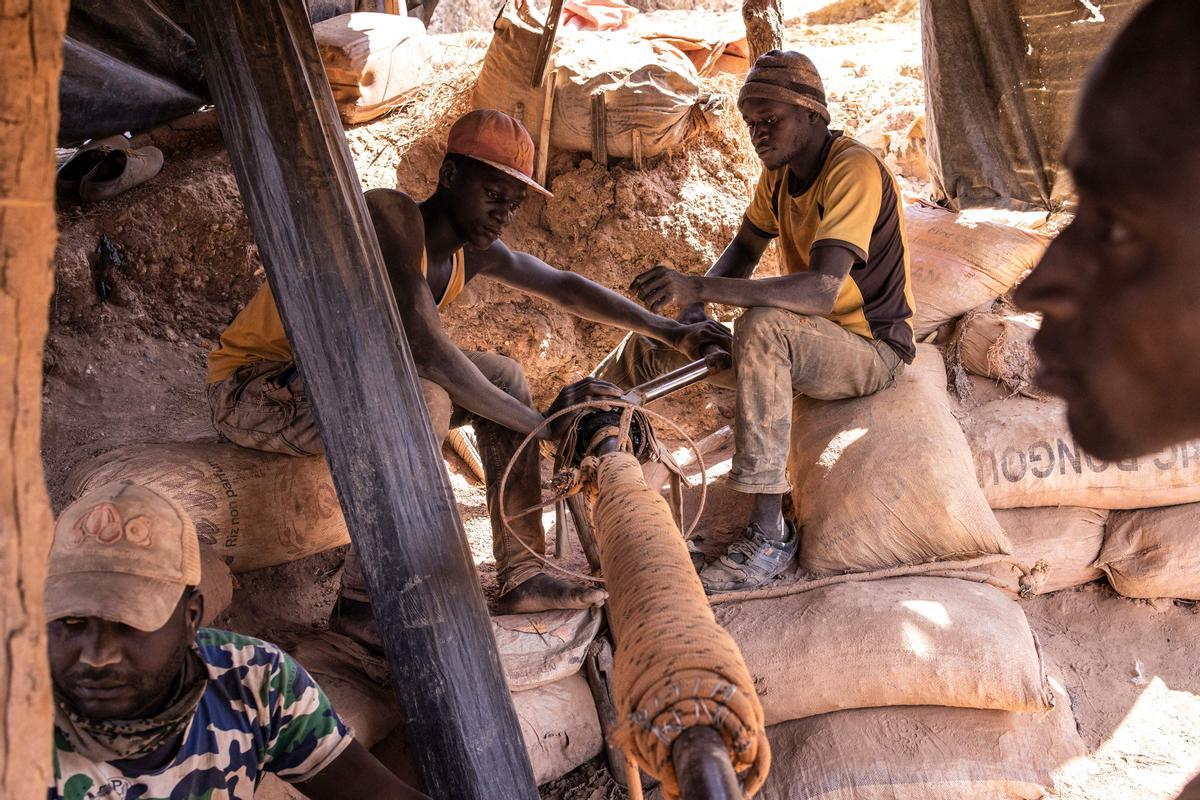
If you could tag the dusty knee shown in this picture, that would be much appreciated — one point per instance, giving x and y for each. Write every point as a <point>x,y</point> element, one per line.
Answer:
<point>509,376</point>
<point>437,400</point>
<point>761,327</point>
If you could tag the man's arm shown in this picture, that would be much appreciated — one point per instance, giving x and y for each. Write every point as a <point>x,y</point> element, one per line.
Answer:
<point>587,299</point>
<point>814,292</point>
<point>401,234</point>
<point>357,773</point>
<point>738,260</point>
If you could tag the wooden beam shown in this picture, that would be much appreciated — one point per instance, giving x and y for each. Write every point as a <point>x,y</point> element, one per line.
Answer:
<point>310,220</point>
<point>31,33</point>
<point>546,43</point>
<point>543,140</point>
<point>599,129</point>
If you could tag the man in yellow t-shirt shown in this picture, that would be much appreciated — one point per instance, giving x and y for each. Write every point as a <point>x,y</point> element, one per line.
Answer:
<point>837,324</point>
<point>431,250</point>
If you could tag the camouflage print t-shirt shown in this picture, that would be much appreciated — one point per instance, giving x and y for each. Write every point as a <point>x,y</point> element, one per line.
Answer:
<point>261,713</point>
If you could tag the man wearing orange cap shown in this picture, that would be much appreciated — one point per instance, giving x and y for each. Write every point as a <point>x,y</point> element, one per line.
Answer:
<point>432,249</point>
<point>147,703</point>
<point>837,324</point>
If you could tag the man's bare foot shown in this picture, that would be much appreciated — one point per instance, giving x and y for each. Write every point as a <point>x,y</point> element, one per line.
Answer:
<point>354,619</point>
<point>545,593</point>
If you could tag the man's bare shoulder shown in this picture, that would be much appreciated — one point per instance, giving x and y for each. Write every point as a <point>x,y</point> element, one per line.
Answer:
<point>394,207</point>
<point>497,258</point>
<point>399,226</point>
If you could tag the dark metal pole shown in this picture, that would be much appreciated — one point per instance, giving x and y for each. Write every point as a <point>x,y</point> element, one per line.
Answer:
<point>702,766</point>
<point>310,221</point>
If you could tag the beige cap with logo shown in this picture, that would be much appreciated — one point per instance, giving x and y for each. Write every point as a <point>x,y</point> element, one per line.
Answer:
<point>123,553</point>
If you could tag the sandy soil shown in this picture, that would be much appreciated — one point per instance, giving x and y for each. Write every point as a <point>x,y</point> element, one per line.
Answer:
<point>1130,668</point>
<point>131,368</point>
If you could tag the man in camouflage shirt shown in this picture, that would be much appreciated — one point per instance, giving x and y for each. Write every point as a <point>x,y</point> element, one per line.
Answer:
<point>148,704</point>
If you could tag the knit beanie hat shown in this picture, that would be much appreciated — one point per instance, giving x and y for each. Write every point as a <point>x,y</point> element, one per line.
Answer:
<point>786,76</point>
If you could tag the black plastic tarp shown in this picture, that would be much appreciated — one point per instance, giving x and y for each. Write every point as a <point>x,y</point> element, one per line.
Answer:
<point>1001,78</point>
<point>129,65</point>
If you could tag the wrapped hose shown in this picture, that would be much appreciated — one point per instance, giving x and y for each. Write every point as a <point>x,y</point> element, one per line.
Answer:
<point>675,667</point>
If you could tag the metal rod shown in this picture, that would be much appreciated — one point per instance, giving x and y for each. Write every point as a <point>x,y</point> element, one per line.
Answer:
<point>665,384</point>
<point>702,766</point>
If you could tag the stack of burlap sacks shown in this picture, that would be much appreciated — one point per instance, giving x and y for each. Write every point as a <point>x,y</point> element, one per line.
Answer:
<point>1133,521</point>
<point>932,685</point>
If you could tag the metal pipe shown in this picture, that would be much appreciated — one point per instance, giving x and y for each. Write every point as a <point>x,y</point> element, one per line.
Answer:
<point>702,766</point>
<point>665,384</point>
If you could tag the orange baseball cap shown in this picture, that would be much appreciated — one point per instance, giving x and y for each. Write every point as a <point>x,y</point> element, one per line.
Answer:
<point>497,140</point>
<point>124,553</point>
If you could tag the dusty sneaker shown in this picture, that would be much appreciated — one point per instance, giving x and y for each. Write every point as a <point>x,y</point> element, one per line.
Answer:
<point>751,561</point>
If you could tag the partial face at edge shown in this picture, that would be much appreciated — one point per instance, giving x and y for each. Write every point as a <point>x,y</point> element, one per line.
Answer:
<point>779,131</point>
<point>486,200</point>
<point>110,671</point>
<point>1120,288</point>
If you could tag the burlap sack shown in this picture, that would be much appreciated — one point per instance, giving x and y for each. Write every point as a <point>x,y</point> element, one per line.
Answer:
<point>558,720</point>
<point>1154,553</point>
<point>886,480</point>
<point>1057,547</point>
<point>1025,457</point>
<point>253,509</point>
<point>537,649</point>
<point>999,345</point>
<point>958,266</point>
<point>892,642</point>
<point>922,753</point>
<point>373,61</point>
<point>216,585</point>
<point>649,86</point>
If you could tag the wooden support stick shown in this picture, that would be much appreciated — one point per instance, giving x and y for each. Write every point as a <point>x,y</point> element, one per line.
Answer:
<point>599,130</point>
<point>583,529</point>
<point>677,499</point>
<point>560,528</point>
<point>636,149</point>
<point>543,143</point>
<point>546,44</point>
<point>310,221</point>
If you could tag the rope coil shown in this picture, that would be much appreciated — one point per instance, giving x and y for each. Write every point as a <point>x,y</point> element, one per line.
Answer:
<point>568,445</point>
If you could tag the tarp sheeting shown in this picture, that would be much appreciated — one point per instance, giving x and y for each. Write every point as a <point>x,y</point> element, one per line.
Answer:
<point>1001,78</point>
<point>130,65</point>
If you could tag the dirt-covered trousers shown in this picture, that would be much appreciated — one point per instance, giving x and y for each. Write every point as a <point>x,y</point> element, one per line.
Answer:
<point>263,406</point>
<point>776,355</point>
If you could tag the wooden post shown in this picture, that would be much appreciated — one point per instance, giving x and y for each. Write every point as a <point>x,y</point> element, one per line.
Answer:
<point>764,26</point>
<point>31,34</point>
<point>310,220</point>
<point>599,129</point>
<point>543,140</point>
<point>541,59</point>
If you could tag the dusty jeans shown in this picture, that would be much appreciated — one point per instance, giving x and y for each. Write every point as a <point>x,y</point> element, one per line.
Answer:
<point>251,410</point>
<point>776,354</point>
<point>263,406</point>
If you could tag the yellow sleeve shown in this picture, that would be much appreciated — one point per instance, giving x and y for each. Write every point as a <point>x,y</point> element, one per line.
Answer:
<point>851,194</point>
<point>762,211</point>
